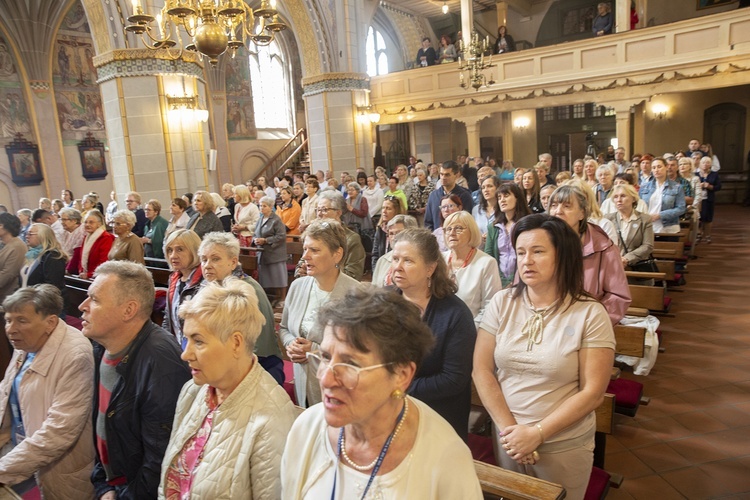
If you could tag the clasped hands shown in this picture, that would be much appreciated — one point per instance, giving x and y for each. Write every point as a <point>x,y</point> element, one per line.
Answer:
<point>298,349</point>
<point>520,443</point>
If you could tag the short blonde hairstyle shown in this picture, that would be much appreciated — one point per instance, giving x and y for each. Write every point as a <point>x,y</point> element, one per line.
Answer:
<point>136,196</point>
<point>465,219</point>
<point>207,200</point>
<point>219,239</point>
<point>225,308</point>
<point>218,200</point>
<point>628,190</point>
<point>243,192</point>
<point>190,240</point>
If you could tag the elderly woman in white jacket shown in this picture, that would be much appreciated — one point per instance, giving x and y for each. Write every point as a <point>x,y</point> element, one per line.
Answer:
<point>232,419</point>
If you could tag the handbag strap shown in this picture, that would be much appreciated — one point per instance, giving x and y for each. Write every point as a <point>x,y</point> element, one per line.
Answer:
<point>622,240</point>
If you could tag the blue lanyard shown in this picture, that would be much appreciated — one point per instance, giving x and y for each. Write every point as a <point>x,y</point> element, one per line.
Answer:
<point>379,462</point>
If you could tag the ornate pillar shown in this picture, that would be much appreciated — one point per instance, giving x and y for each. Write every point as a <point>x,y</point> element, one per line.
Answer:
<point>623,122</point>
<point>149,139</point>
<point>340,136</point>
<point>472,133</point>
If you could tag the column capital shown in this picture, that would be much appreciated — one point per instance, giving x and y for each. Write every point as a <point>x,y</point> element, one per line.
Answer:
<point>335,82</point>
<point>622,106</point>
<point>146,62</point>
<point>471,121</point>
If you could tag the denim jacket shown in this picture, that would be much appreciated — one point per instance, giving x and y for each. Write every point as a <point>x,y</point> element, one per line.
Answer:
<point>672,200</point>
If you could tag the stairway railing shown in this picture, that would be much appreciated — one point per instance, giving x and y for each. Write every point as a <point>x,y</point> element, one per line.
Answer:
<point>288,153</point>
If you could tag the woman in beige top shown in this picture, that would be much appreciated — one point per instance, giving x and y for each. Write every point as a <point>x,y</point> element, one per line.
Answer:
<point>309,204</point>
<point>127,246</point>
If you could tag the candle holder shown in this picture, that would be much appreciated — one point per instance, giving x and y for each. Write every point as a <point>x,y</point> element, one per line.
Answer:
<point>473,62</point>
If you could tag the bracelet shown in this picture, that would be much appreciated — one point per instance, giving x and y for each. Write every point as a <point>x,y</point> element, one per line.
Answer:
<point>541,435</point>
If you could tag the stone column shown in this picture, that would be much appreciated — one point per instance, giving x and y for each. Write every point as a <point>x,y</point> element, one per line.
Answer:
<point>340,136</point>
<point>623,122</point>
<point>502,13</point>
<point>472,133</point>
<point>622,16</point>
<point>154,149</point>
<point>507,138</point>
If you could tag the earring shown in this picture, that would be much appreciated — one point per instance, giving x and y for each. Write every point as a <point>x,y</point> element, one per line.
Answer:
<point>429,281</point>
<point>337,266</point>
<point>398,394</point>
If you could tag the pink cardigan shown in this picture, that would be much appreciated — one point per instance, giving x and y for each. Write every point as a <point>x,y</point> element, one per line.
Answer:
<point>603,273</point>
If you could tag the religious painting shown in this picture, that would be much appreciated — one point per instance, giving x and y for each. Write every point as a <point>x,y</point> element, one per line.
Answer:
<point>707,4</point>
<point>23,157</point>
<point>14,116</point>
<point>93,162</point>
<point>240,113</point>
<point>79,102</point>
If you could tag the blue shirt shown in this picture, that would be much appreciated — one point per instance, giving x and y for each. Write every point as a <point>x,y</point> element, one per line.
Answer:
<point>18,433</point>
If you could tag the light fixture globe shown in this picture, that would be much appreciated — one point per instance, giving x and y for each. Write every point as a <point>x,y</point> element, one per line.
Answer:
<point>211,40</point>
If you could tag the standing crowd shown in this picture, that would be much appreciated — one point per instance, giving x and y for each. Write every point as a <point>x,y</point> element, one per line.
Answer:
<point>505,277</point>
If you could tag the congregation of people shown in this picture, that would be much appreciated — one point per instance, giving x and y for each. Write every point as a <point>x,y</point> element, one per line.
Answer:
<point>510,279</point>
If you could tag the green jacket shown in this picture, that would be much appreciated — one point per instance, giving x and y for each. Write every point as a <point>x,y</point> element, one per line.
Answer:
<point>155,232</point>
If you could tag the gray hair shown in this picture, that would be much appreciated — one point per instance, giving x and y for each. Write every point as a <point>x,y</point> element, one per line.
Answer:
<point>25,212</point>
<point>334,196</point>
<point>220,239</point>
<point>268,201</point>
<point>134,283</point>
<point>126,216</point>
<point>408,221</point>
<point>136,196</point>
<point>225,308</point>
<point>46,299</point>
<point>545,157</point>
<point>71,213</point>
<point>354,185</point>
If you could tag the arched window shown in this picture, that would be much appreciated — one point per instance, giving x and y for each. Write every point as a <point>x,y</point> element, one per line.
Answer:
<point>270,77</point>
<point>377,59</point>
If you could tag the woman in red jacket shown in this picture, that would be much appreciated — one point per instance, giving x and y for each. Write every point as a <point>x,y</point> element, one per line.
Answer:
<point>94,249</point>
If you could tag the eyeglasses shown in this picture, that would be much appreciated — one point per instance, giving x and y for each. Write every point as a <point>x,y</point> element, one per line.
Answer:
<point>390,197</point>
<point>448,206</point>
<point>120,224</point>
<point>324,210</point>
<point>64,220</point>
<point>454,229</point>
<point>346,374</point>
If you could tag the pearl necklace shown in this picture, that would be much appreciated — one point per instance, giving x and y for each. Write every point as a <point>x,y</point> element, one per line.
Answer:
<point>363,468</point>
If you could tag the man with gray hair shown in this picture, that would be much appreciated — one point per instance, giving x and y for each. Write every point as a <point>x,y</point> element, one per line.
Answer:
<point>138,377</point>
<point>133,202</point>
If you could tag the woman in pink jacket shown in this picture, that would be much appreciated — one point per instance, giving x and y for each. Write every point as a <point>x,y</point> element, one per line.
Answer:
<point>603,275</point>
<point>46,398</point>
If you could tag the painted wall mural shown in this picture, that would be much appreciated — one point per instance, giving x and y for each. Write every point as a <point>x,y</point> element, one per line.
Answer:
<point>14,115</point>
<point>240,113</point>
<point>79,102</point>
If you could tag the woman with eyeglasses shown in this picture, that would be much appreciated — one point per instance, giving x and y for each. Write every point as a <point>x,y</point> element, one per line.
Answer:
<point>369,439</point>
<point>45,260</point>
<point>422,277</point>
<point>450,204</point>
<point>475,272</point>
<point>324,246</point>
<point>127,246</point>
<point>381,244</point>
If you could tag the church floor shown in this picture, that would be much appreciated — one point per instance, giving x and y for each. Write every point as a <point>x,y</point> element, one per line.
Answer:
<point>693,439</point>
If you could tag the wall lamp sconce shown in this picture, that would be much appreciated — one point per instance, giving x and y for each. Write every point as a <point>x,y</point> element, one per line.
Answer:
<point>660,111</point>
<point>187,108</point>
<point>368,113</point>
<point>521,123</point>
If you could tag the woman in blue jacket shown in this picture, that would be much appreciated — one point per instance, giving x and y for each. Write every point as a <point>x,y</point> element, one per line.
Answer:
<point>665,199</point>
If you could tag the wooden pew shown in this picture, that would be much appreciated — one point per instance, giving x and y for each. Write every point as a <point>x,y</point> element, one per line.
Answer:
<point>154,262</point>
<point>77,291</point>
<point>160,275</point>
<point>672,250</point>
<point>631,340</point>
<point>646,299</point>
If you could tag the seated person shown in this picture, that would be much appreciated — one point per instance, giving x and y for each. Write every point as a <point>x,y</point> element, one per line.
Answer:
<point>47,398</point>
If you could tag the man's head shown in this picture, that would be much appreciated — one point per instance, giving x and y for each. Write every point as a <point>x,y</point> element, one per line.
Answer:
<point>694,145</point>
<point>120,301</point>
<point>672,167</point>
<point>426,42</point>
<point>620,155</point>
<point>42,216</point>
<point>449,174</point>
<point>546,158</point>
<point>320,175</point>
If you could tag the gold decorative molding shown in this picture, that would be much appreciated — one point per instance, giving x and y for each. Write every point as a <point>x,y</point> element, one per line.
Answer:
<point>328,77</point>
<point>143,54</point>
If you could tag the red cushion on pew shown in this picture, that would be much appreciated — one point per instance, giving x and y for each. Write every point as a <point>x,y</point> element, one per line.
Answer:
<point>667,303</point>
<point>598,484</point>
<point>481,449</point>
<point>627,392</point>
<point>74,322</point>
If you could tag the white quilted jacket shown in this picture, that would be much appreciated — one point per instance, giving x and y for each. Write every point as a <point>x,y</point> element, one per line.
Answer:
<point>242,457</point>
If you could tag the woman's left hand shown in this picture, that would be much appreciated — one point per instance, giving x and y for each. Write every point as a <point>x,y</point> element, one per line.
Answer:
<point>260,241</point>
<point>519,441</point>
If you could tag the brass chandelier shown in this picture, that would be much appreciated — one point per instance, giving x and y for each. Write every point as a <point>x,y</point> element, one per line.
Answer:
<point>213,25</point>
<point>473,61</point>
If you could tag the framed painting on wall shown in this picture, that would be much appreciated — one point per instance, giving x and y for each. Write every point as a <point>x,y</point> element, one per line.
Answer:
<point>707,4</point>
<point>93,161</point>
<point>23,156</point>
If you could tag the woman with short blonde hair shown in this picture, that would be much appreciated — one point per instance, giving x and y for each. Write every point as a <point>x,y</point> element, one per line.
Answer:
<point>246,215</point>
<point>234,452</point>
<point>185,280</point>
<point>127,246</point>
